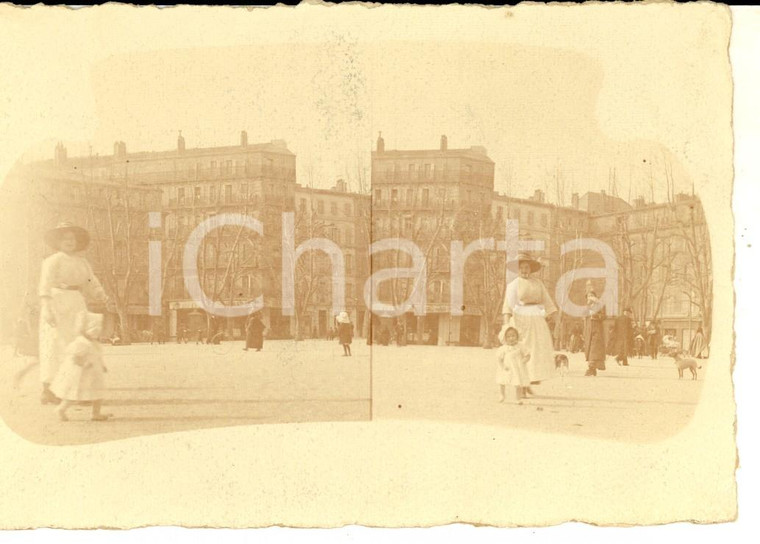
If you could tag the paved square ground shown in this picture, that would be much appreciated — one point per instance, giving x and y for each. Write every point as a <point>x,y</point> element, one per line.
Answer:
<point>164,388</point>
<point>641,402</point>
<point>174,387</point>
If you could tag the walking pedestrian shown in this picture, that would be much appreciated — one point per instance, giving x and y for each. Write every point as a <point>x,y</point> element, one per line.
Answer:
<point>254,332</point>
<point>66,282</point>
<point>82,373</point>
<point>595,345</point>
<point>654,338</point>
<point>511,369</point>
<point>622,336</point>
<point>345,332</point>
<point>527,305</point>
<point>698,344</point>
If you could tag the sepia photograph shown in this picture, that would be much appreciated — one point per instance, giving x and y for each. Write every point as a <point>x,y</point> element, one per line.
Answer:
<point>512,235</point>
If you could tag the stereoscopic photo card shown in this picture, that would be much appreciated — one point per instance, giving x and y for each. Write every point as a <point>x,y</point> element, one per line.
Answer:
<point>366,264</point>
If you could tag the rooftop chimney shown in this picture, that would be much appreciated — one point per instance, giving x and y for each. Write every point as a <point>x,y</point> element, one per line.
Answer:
<point>538,195</point>
<point>576,201</point>
<point>380,143</point>
<point>60,154</point>
<point>244,138</point>
<point>444,143</point>
<point>340,186</point>
<point>120,150</point>
<point>180,143</point>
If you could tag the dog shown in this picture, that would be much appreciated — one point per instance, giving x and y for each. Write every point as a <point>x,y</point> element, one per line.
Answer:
<point>683,363</point>
<point>561,363</point>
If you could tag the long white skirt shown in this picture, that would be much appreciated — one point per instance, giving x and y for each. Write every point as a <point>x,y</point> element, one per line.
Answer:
<point>537,339</point>
<point>53,340</point>
<point>79,384</point>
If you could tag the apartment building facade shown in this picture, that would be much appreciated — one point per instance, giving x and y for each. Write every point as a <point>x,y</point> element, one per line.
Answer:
<point>433,197</point>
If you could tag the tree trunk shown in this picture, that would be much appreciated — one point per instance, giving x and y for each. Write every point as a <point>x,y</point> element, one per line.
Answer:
<point>124,325</point>
<point>488,340</point>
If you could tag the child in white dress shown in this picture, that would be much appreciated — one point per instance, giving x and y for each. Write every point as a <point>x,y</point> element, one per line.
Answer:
<point>81,376</point>
<point>511,367</point>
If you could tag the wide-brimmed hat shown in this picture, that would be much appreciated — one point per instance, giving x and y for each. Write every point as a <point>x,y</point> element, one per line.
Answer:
<point>535,266</point>
<point>53,236</point>
<point>343,318</point>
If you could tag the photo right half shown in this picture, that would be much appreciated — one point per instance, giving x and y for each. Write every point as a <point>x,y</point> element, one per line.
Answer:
<point>543,262</point>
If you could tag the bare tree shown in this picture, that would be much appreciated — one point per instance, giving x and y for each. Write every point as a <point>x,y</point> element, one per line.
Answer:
<point>116,227</point>
<point>641,255</point>
<point>695,274</point>
<point>485,270</point>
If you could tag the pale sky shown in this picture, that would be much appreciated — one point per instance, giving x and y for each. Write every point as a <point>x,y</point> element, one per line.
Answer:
<point>550,98</point>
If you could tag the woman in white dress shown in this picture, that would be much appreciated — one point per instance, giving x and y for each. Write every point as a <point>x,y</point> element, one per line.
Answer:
<point>66,281</point>
<point>527,305</point>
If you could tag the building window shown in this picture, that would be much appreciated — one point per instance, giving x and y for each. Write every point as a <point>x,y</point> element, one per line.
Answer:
<point>411,171</point>
<point>349,236</point>
<point>378,195</point>
<point>530,218</point>
<point>228,193</point>
<point>347,208</point>
<point>320,207</point>
<point>181,195</point>
<point>213,168</point>
<point>425,196</point>
<point>333,208</point>
<point>198,193</point>
<point>394,196</point>
<point>211,193</point>
<point>427,171</point>
<point>349,264</point>
<point>302,205</point>
<point>410,196</point>
<point>544,220</point>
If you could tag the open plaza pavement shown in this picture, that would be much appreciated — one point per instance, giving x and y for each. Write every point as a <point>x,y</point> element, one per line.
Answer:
<point>176,387</point>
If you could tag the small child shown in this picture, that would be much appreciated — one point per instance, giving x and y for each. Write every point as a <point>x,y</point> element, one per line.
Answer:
<point>81,376</point>
<point>511,369</point>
